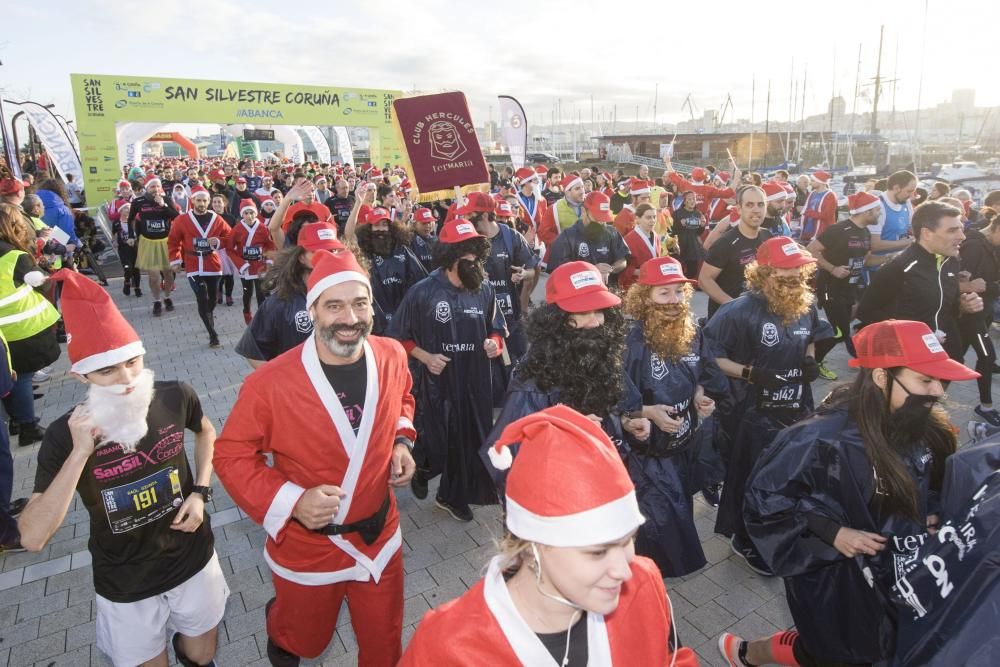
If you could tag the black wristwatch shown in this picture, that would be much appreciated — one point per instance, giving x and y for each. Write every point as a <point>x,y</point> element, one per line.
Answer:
<point>205,491</point>
<point>403,440</point>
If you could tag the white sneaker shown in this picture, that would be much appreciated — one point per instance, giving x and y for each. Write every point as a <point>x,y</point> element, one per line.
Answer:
<point>40,376</point>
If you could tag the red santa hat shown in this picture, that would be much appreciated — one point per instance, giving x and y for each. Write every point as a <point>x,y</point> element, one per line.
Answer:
<point>558,444</point>
<point>333,269</point>
<point>860,202</point>
<point>124,184</point>
<point>724,176</point>
<point>570,181</point>
<point>525,174</point>
<point>698,175</point>
<point>541,169</point>
<point>247,205</point>
<point>97,335</point>
<point>774,191</point>
<point>638,187</point>
<point>789,190</point>
<point>265,200</point>
<point>198,191</point>
<point>151,180</point>
<point>821,176</point>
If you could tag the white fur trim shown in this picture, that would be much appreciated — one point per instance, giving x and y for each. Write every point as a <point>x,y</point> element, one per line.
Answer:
<point>867,207</point>
<point>280,510</point>
<point>501,460</point>
<point>600,525</point>
<point>109,358</point>
<point>34,278</point>
<point>335,279</point>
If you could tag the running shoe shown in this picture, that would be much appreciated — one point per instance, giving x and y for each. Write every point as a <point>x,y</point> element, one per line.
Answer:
<point>127,288</point>
<point>138,292</point>
<point>750,556</point>
<point>729,647</point>
<point>976,429</point>
<point>157,308</point>
<point>12,547</point>
<point>459,512</point>
<point>711,494</point>
<point>168,304</point>
<point>214,343</point>
<point>41,376</point>
<point>826,373</point>
<point>988,415</point>
<point>229,300</point>
<point>418,485</point>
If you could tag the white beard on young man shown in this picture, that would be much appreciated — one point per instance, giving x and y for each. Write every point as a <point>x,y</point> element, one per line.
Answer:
<point>121,417</point>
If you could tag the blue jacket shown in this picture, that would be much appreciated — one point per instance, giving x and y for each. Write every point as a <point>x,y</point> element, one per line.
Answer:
<point>57,214</point>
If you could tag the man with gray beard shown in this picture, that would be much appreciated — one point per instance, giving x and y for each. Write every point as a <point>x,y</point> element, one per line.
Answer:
<point>122,449</point>
<point>336,414</point>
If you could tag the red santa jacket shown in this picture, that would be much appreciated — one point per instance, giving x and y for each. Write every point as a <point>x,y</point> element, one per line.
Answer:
<point>641,251</point>
<point>483,627</point>
<point>704,193</point>
<point>190,244</point>
<point>246,248</point>
<point>818,216</point>
<point>287,408</point>
<point>534,221</point>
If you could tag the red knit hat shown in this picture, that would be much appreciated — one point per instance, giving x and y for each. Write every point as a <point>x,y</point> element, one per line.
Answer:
<point>97,334</point>
<point>319,236</point>
<point>578,287</point>
<point>559,445</point>
<point>458,230</point>
<point>895,343</point>
<point>662,271</point>
<point>333,269</point>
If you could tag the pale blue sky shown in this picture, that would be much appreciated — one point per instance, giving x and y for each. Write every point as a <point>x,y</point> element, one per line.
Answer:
<point>615,51</point>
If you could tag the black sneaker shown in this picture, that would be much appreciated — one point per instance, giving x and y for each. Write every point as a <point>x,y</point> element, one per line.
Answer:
<point>459,512</point>
<point>138,291</point>
<point>29,434</point>
<point>127,288</point>
<point>418,485</point>
<point>279,657</point>
<point>169,304</point>
<point>988,415</point>
<point>13,428</point>
<point>17,506</point>
<point>157,308</point>
<point>214,343</point>
<point>750,556</point>
<point>711,494</point>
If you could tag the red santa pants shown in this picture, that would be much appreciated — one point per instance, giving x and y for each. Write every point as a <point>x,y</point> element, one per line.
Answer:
<point>303,618</point>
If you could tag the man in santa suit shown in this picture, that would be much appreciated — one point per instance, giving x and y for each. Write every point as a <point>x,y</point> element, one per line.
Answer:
<point>706,192</point>
<point>248,247</point>
<point>194,241</point>
<point>563,213</point>
<point>625,220</point>
<point>532,211</point>
<point>821,208</point>
<point>336,415</point>
<point>578,595</point>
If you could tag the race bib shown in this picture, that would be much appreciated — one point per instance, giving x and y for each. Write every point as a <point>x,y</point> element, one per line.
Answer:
<point>856,266</point>
<point>156,226</point>
<point>788,397</point>
<point>505,304</point>
<point>201,247</point>
<point>253,253</point>
<point>143,501</point>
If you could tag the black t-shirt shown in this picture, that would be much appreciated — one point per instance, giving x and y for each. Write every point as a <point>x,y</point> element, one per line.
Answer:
<point>731,254</point>
<point>340,209</point>
<point>845,244</point>
<point>132,499</point>
<point>149,219</point>
<point>349,381</point>
<point>555,643</point>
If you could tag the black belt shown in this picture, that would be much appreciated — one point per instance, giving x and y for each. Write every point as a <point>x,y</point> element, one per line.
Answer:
<point>368,529</point>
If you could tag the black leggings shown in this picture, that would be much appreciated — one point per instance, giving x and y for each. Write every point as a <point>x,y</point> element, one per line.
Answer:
<point>986,356</point>
<point>127,255</point>
<point>838,313</point>
<point>249,286</point>
<point>227,285</point>
<point>205,289</point>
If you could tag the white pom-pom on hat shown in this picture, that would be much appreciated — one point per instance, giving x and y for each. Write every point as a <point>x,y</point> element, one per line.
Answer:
<point>34,278</point>
<point>501,458</point>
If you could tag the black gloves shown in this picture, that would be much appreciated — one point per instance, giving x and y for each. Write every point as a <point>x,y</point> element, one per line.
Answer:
<point>767,378</point>
<point>810,370</point>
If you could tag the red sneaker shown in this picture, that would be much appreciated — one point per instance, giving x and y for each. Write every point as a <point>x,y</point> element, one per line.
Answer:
<point>729,647</point>
<point>247,317</point>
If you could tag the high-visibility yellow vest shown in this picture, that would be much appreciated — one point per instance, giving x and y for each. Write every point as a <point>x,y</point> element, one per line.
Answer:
<point>23,311</point>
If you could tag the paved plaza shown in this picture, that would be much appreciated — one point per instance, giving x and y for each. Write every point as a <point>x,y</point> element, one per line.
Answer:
<point>47,598</point>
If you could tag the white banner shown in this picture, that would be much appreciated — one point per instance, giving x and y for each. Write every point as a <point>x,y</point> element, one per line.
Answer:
<point>318,141</point>
<point>344,145</point>
<point>57,143</point>
<point>514,129</point>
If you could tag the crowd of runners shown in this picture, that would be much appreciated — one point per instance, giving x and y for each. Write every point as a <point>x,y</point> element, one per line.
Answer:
<point>534,343</point>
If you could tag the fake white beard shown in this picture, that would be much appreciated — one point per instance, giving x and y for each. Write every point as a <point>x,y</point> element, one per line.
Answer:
<point>121,418</point>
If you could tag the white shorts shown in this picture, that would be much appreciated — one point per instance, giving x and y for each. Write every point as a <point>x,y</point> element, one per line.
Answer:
<point>131,633</point>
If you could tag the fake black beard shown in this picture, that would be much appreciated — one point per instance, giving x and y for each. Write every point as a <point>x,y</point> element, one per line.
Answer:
<point>377,243</point>
<point>908,424</point>
<point>471,273</point>
<point>593,232</point>
<point>589,369</point>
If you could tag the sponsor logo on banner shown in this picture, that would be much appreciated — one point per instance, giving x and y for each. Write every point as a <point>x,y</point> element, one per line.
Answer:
<point>769,335</point>
<point>442,312</point>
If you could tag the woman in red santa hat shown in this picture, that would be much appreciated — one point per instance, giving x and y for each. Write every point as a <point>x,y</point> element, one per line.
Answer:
<point>566,588</point>
<point>247,248</point>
